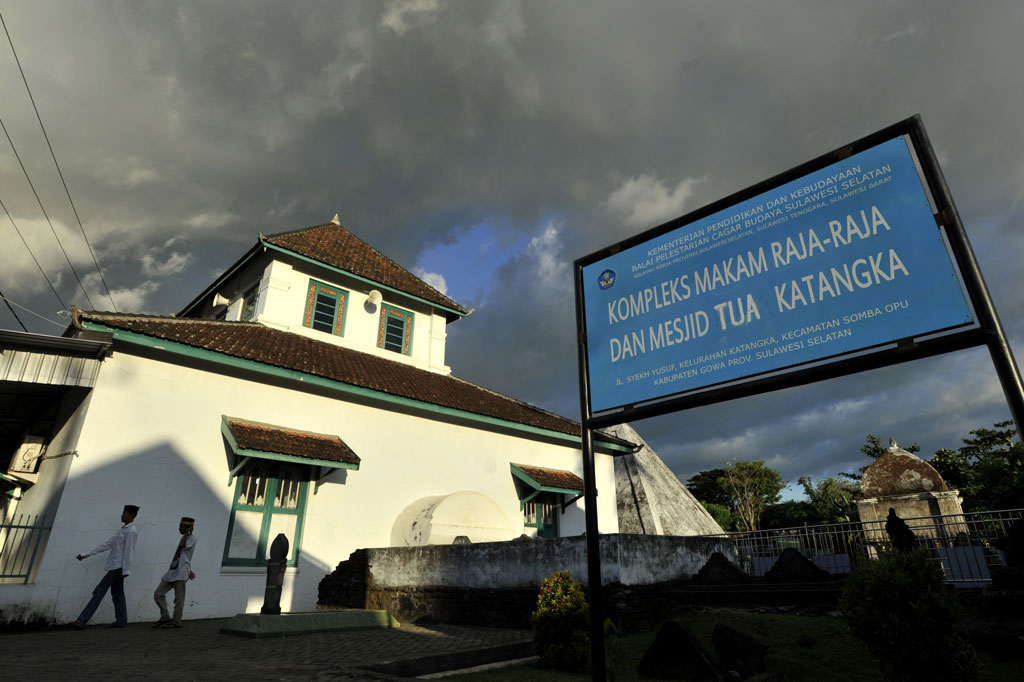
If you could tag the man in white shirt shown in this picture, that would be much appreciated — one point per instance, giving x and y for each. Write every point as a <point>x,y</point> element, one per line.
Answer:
<point>179,573</point>
<point>119,567</point>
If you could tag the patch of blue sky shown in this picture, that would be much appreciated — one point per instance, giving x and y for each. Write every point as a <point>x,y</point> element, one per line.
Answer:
<point>469,261</point>
<point>793,492</point>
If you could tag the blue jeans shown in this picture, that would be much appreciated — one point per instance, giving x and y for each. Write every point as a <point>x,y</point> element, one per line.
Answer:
<point>114,581</point>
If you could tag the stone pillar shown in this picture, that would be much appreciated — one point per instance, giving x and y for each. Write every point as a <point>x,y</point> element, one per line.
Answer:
<point>275,575</point>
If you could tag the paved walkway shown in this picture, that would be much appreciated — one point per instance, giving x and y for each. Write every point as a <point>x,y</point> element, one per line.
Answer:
<point>199,651</point>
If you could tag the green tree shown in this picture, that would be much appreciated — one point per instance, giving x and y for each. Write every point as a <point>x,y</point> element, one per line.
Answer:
<point>706,486</point>
<point>787,514</point>
<point>829,500</point>
<point>751,486</point>
<point>832,500</point>
<point>988,469</point>
<point>721,514</point>
<point>954,467</point>
<point>874,449</point>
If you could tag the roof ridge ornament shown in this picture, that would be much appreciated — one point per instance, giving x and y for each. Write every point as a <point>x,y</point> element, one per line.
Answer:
<point>336,220</point>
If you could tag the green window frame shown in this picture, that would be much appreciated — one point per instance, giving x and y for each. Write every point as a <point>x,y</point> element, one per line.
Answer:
<point>269,498</point>
<point>542,505</point>
<point>326,306</point>
<point>395,330</point>
<point>249,300</point>
<point>542,512</point>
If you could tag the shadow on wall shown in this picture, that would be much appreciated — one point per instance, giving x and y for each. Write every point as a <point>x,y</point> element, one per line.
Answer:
<point>162,482</point>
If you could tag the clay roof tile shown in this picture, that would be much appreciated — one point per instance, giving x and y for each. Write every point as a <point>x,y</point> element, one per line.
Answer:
<point>332,244</point>
<point>286,350</point>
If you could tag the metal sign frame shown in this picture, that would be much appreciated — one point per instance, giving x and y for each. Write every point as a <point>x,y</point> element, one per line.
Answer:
<point>987,331</point>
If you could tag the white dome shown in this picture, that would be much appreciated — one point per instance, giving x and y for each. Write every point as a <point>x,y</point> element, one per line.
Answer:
<point>439,520</point>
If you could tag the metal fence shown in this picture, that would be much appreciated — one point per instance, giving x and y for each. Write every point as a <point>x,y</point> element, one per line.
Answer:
<point>962,544</point>
<point>21,542</point>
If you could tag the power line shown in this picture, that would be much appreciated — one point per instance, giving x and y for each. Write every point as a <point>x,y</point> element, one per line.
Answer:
<point>23,327</point>
<point>45,214</point>
<point>74,209</point>
<point>41,271</point>
<point>30,312</point>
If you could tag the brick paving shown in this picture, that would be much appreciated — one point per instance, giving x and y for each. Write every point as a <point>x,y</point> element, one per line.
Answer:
<point>199,651</point>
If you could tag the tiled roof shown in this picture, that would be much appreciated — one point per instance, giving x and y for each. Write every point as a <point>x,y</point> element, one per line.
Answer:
<point>253,341</point>
<point>553,478</point>
<point>257,436</point>
<point>334,245</point>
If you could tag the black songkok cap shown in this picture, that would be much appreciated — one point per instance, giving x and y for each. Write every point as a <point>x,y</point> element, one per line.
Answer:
<point>131,509</point>
<point>187,521</point>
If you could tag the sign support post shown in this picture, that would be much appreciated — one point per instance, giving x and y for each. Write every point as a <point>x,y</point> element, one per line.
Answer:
<point>597,605</point>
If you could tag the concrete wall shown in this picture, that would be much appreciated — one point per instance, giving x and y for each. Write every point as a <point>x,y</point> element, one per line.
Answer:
<point>496,584</point>
<point>152,437</point>
<point>626,559</point>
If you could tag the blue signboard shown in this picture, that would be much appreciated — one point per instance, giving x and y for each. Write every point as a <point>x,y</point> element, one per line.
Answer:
<point>843,259</point>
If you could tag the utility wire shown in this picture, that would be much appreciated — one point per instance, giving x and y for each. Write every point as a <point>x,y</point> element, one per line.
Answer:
<point>74,209</point>
<point>41,271</point>
<point>24,328</point>
<point>30,312</point>
<point>45,214</point>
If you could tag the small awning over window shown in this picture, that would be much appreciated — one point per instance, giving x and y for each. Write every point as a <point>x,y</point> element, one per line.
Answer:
<point>249,439</point>
<point>10,487</point>
<point>548,481</point>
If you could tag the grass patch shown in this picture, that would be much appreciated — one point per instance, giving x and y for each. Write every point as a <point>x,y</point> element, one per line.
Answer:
<point>811,648</point>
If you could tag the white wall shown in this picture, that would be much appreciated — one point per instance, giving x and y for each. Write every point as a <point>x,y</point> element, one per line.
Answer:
<point>282,304</point>
<point>152,438</point>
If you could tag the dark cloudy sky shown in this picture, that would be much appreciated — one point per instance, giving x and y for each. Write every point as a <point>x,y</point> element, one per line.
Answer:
<point>486,145</point>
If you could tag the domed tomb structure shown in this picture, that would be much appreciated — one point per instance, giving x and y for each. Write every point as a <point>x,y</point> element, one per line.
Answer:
<point>906,483</point>
<point>441,519</point>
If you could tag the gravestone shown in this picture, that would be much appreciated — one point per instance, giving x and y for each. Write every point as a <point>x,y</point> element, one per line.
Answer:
<point>794,567</point>
<point>676,654</point>
<point>902,538</point>
<point>275,576</point>
<point>738,651</point>
<point>718,570</point>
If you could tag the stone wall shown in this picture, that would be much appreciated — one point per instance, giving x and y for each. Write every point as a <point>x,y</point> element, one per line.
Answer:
<point>495,583</point>
<point>929,515</point>
<point>503,608</point>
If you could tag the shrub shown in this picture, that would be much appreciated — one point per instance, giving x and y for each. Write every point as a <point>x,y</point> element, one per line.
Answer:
<point>721,514</point>
<point>560,624</point>
<point>902,610</point>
